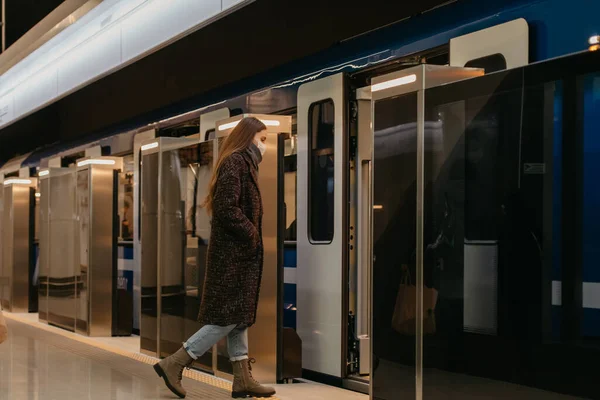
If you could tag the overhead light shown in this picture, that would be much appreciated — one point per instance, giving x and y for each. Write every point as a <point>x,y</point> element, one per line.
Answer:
<point>150,146</point>
<point>38,195</point>
<point>230,125</point>
<point>377,207</point>
<point>270,122</point>
<point>44,172</point>
<point>405,80</point>
<point>95,162</point>
<point>594,40</point>
<point>17,182</point>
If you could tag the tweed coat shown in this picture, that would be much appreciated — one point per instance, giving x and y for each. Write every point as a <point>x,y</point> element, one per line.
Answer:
<point>235,251</point>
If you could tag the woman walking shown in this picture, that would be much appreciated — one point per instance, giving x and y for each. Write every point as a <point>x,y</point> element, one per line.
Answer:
<point>234,263</point>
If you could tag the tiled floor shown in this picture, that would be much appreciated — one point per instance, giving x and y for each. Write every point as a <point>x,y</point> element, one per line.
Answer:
<point>40,362</point>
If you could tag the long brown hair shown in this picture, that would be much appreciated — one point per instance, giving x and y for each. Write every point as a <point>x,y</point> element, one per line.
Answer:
<point>239,139</point>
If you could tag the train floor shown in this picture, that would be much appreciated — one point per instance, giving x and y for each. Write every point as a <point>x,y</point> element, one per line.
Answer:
<point>45,363</point>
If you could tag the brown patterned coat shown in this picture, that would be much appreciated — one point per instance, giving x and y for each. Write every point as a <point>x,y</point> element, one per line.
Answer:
<point>235,252</point>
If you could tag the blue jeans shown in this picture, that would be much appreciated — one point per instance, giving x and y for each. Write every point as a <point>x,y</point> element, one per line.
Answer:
<point>208,335</point>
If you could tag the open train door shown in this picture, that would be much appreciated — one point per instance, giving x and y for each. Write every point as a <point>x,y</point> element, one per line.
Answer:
<point>322,224</point>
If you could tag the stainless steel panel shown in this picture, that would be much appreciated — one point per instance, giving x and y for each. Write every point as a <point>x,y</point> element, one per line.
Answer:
<point>63,256</point>
<point>44,267</point>
<point>264,336</point>
<point>265,339</point>
<point>364,229</point>
<point>149,243</point>
<point>101,258</point>
<point>424,77</point>
<point>2,244</point>
<point>7,253</point>
<point>21,241</point>
<point>138,141</point>
<point>83,242</point>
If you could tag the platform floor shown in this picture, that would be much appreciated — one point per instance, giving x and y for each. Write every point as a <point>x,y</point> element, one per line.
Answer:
<point>40,362</point>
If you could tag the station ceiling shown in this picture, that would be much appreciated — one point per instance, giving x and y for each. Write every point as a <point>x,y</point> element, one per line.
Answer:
<point>259,37</point>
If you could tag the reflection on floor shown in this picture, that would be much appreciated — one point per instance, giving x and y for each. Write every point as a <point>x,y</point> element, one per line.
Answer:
<point>42,362</point>
<point>441,385</point>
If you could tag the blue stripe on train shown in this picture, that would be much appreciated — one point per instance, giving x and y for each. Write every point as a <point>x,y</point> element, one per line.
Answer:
<point>289,257</point>
<point>289,290</point>
<point>125,252</point>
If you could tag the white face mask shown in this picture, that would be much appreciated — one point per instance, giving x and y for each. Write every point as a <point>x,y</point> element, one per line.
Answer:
<point>261,147</point>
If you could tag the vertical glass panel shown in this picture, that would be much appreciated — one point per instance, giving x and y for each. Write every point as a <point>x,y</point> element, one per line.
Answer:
<point>149,232</point>
<point>2,245</point>
<point>321,171</point>
<point>197,244</point>
<point>83,213</point>
<point>394,243</point>
<point>7,244</point>
<point>492,253</point>
<point>590,322</point>
<point>185,231</point>
<point>469,178</point>
<point>62,257</point>
<point>44,262</point>
<point>127,222</point>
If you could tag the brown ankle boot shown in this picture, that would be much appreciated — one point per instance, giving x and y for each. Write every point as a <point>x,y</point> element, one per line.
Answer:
<point>171,370</point>
<point>244,385</point>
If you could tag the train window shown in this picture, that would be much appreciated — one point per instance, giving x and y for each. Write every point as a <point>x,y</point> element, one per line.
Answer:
<point>126,218</point>
<point>210,134</point>
<point>321,185</point>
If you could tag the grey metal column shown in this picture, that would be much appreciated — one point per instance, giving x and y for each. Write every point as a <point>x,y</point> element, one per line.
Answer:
<point>59,261</point>
<point>17,199</point>
<point>95,198</point>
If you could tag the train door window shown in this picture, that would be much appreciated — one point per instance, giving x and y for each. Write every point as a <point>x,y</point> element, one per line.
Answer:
<point>210,134</point>
<point>321,171</point>
<point>126,200</point>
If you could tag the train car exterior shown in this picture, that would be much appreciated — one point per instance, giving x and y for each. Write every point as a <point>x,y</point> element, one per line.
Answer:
<point>512,126</point>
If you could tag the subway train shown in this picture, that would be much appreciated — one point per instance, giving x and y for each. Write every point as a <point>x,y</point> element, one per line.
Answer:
<point>430,216</point>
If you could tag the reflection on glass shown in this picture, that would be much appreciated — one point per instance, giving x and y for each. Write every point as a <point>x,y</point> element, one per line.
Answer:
<point>126,206</point>
<point>1,247</point>
<point>394,247</point>
<point>290,187</point>
<point>83,212</point>
<point>61,259</point>
<point>493,240</point>
<point>186,173</point>
<point>590,321</point>
<point>127,223</point>
<point>44,250</point>
<point>149,226</point>
<point>321,171</point>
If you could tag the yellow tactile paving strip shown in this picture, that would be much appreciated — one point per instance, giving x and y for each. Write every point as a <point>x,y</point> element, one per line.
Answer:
<point>92,353</point>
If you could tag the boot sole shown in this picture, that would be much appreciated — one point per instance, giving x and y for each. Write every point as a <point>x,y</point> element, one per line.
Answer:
<point>244,395</point>
<point>161,374</point>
